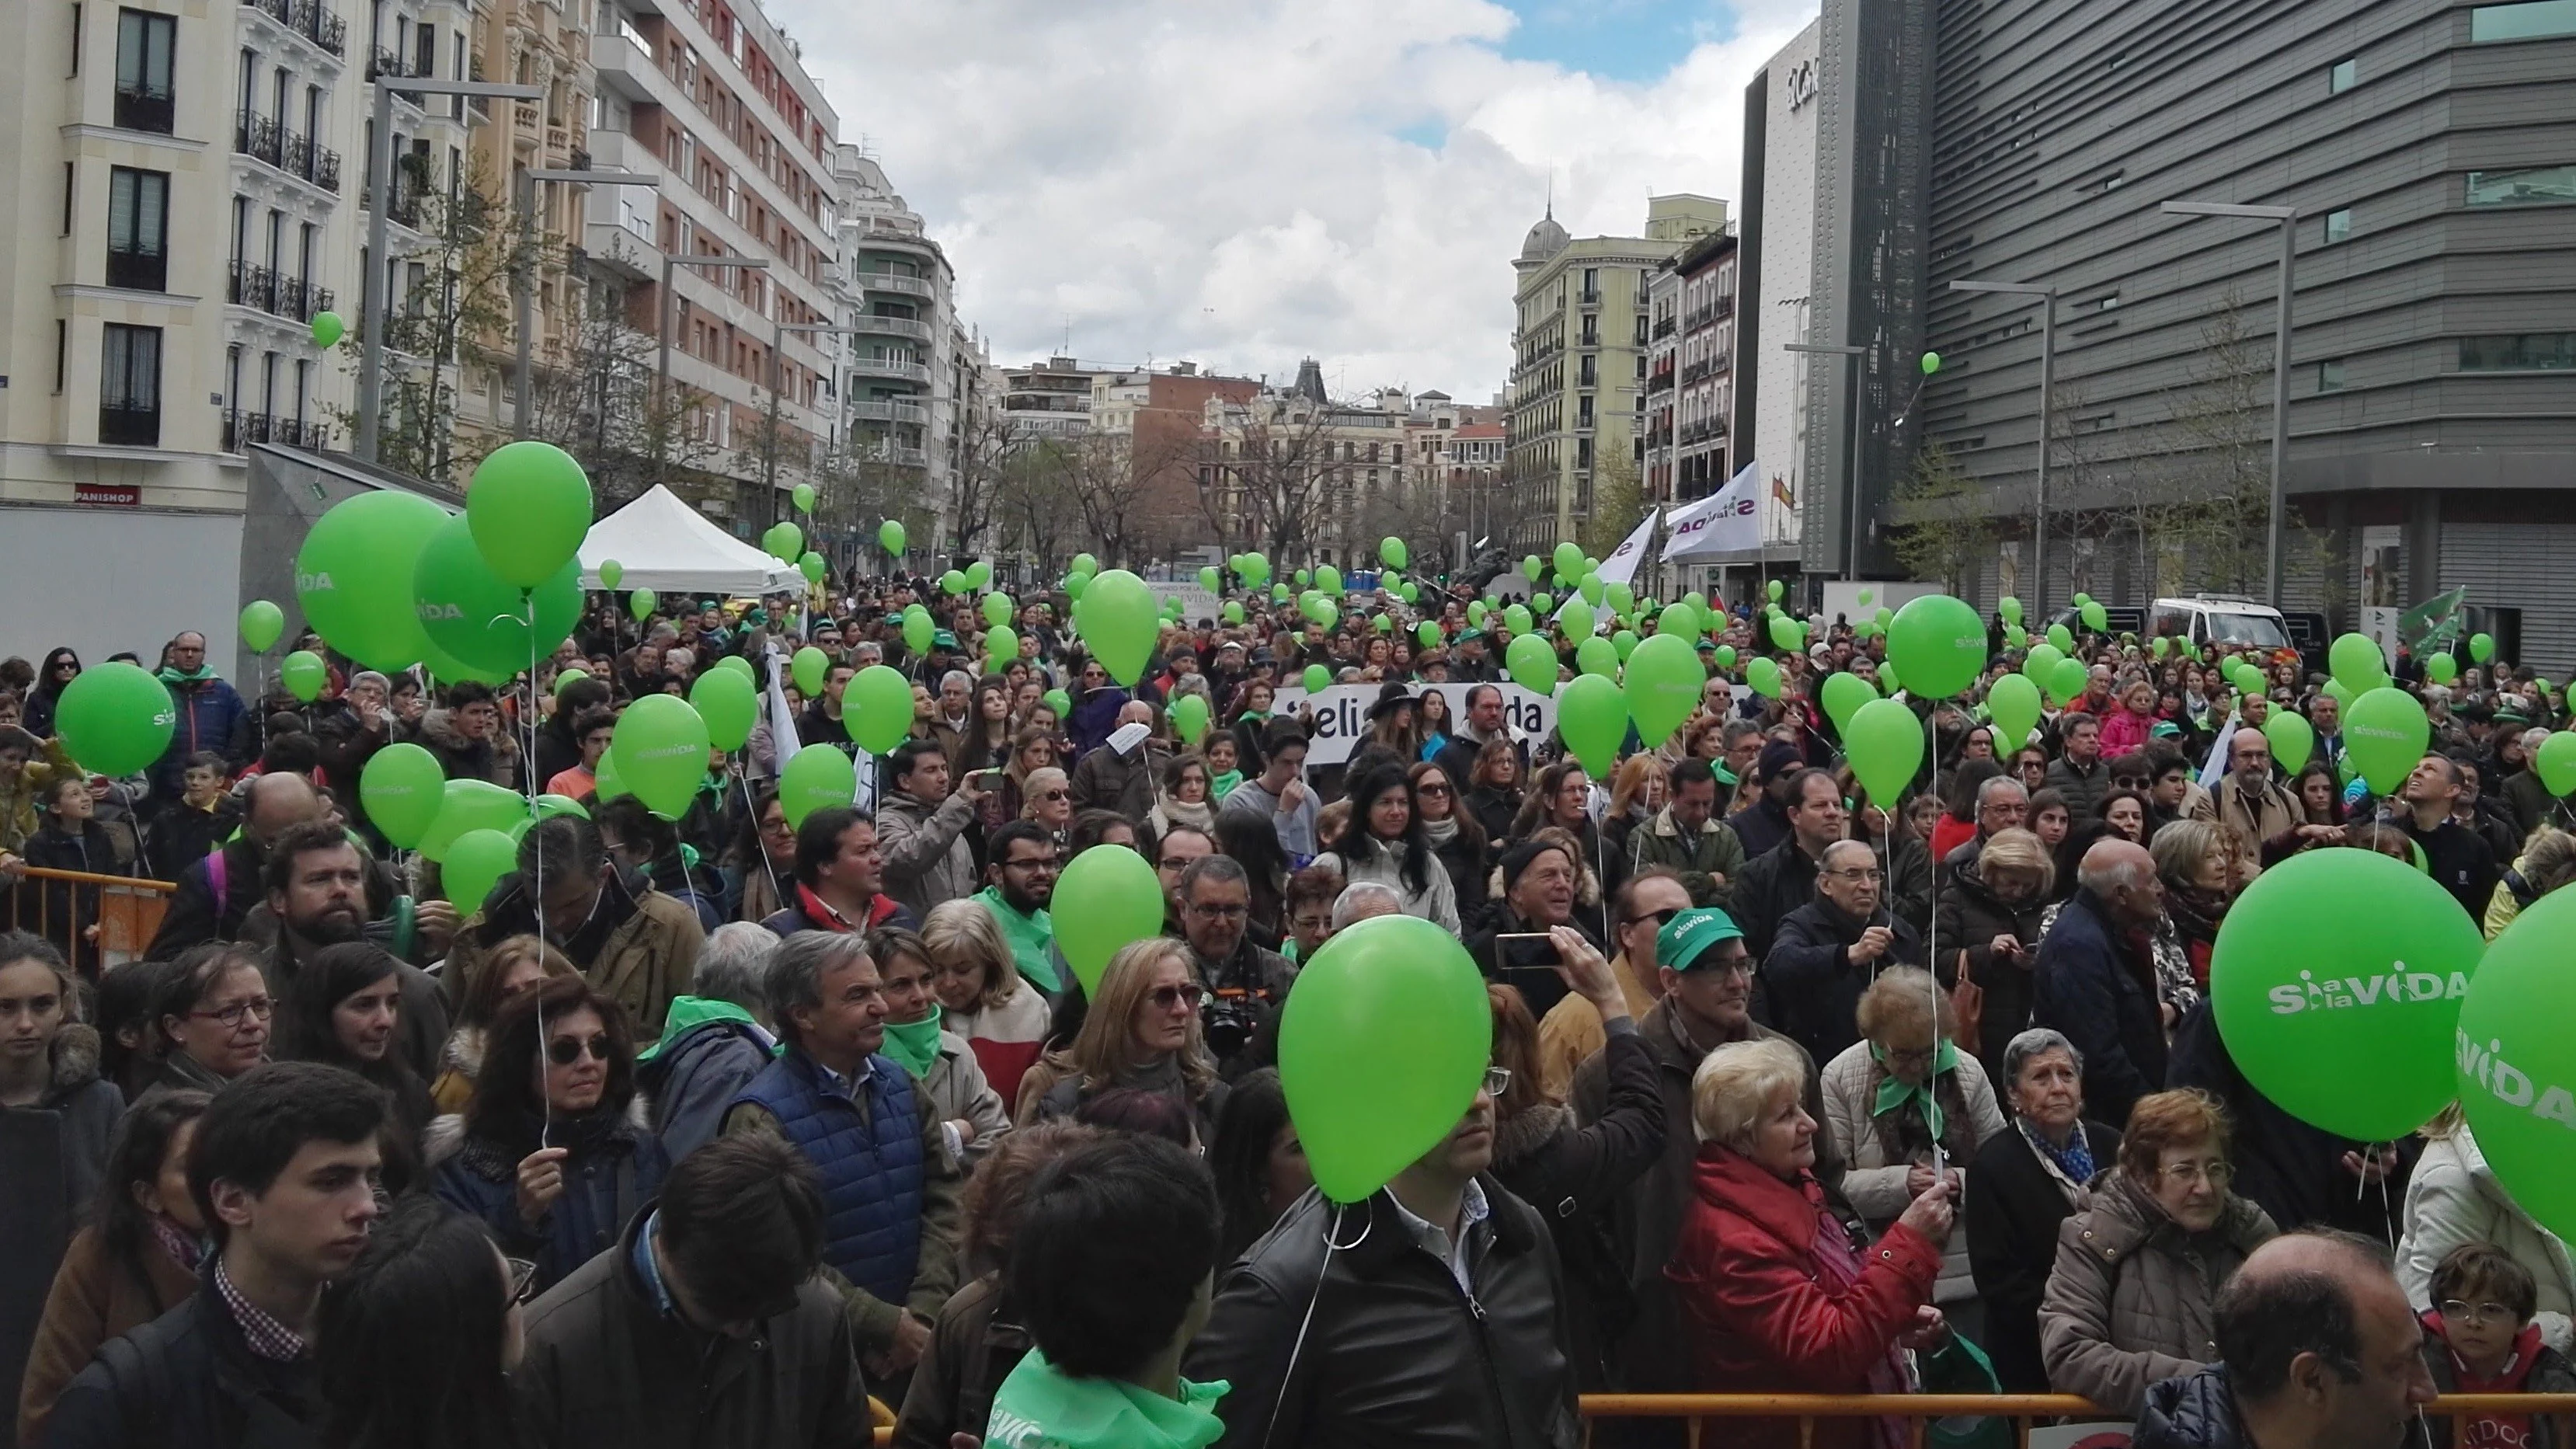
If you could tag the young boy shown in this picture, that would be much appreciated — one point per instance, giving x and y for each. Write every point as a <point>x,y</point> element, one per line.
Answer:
<point>1113,1268</point>
<point>2479,1339</point>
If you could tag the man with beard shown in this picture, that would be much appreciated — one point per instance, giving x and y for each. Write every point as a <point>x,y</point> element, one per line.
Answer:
<point>1248,983</point>
<point>1022,879</point>
<point>217,892</point>
<point>317,890</point>
<point>631,942</point>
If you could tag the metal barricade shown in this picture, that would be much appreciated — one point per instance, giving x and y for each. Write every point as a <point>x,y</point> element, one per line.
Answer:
<point>61,905</point>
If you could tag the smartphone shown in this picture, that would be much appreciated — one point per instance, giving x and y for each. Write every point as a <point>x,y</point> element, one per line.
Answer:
<point>1548,966</point>
<point>985,779</point>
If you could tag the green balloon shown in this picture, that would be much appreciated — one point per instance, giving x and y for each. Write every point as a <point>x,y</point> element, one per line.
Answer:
<point>1059,701</point>
<point>2096,617</point>
<point>1278,593</point>
<point>920,631</point>
<point>1621,598</point>
<point>1592,589</point>
<point>2336,982</point>
<point>2557,763</point>
<point>1864,597</point>
<point>1516,617</point>
<point>1427,634</point>
<point>353,576</point>
<point>1121,904</point>
<point>1001,646</point>
<point>2068,679</point>
<point>1255,569</point>
<point>661,746</point>
<point>2040,662</point>
<point>1680,620</point>
<point>1931,363</point>
<point>1321,609</point>
<point>998,609</point>
<point>812,567</point>
<point>402,787</point>
<point>1391,552</point>
<point>114,719</point>
<point>816,776</point>
<point>979,573</point>
<point>1596,655</point>
<point>890,536</point>
<point>1209,578</point>
<point>304,675</point>
<point>1787,634</point>
<point>1476,611</point>
<point>790,538</point>
<point>1726,659</point>
<point>2357,663</point>
<point>2442,669</point>
<point>1233,612</point>
<point>1569,559</point>
<point>2014,706</point>
<point>2515,1060</point>
<point>2293,740</point>
<point>641,603</point>
<point>529,504</point>
<point>472,805</point>
<point>1531,568</point>
<point>877,708</point>
<point>1885,746</point>
<point>261,623</point>
<point>1939,642</point>
<point>1119,620</point>
<point>953,582</point>
<point>1592,717</point>
<point>1190,717</point>
<point>328,329</point>
<point>550,806</point>
<point>1381,1050</point>
<point>1624,643</point>
<point>726,701</point>
<point>802,495</point>
<point>1887,679</point>
<point>2080,599</point>
<point>1317,679</point>
<point>2342,696</point>
<point>1084,563</point>
<point>2481,648</point>
<point>807,668</point>
<point>2014,637</point>
<point>476,861</point>
<point>1664,682</point>
<point>2385,733</point>
<point>1532,663</point>
<point>2062,637</point>
<point>2008,609</point>
<point>610,573</point>
<point>476,617</point>
<point>1842,694</point>
<point>1775,589</point>
<point>1764,676</point>
<point>1329,579</point>
<point>605,784</point>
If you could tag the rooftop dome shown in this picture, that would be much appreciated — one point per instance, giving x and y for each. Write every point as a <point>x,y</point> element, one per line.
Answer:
<point>1545,240</point>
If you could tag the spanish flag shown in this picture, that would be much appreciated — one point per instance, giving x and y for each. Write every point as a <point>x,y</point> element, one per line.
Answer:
<point>1781,491</point>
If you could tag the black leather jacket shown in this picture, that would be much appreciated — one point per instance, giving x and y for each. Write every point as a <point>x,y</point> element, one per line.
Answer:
<point>1396,1353</point>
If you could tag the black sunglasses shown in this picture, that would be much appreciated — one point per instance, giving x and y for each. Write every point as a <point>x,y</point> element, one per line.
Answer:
<point>563,1051</point>
<point>1661,918</point>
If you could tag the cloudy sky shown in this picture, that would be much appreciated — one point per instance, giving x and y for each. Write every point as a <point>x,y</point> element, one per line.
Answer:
<point>1243,183</point>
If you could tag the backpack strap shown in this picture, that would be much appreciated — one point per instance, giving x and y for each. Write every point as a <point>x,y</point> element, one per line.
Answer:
<point>217,879</point>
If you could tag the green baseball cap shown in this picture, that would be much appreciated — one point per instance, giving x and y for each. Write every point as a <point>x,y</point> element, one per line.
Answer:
<point>1687,937</point>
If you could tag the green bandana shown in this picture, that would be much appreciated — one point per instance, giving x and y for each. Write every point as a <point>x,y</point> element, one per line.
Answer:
<point>1041,1407</point>
<point>1223,785</point>
<point>1894,1093</point>
<point>198,675</point>
<point>915,1044</point>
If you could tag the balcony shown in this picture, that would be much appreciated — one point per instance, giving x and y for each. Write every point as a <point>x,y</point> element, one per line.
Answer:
<point>884,411</point>
<point>892,326</point>
<point>405,207</point>
<point>139,269</point>
<point>129,425</point>
<point>251,285</point>
<point>895,282</point>
<point>889,367</point>
<point>145,108</point>
<point>259,138</point>
<point>1664,328</point>
<point>900,456</point>
<point>385,63</point>
<point>306,19</point>
<point>242,429</point>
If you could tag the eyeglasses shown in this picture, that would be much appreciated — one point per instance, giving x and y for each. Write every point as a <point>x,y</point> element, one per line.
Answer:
<point>1865,873</point>
<point>2216,1174</point>
<point>2477,1315</point>
<point>1220,913</point>
<point>1038,863</point>
<point>1433,787</point>
<point>259,1008</point>
<point>523,1280</point>
<point>563,1051</point>
<point>1168,998</point>
<point>1661,918</point>
<point>1497,1080</point>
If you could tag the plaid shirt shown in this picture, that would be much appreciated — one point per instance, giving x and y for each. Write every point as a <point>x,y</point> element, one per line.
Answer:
<point>268,1337</point>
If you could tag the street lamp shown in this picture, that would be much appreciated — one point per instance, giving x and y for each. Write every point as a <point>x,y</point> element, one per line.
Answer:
<point>380,184</point>
<point>1851,557</point>
<point>522,284</point>
<point>662,322</point>
<point>2288,217</point>
<point>2047,298</point>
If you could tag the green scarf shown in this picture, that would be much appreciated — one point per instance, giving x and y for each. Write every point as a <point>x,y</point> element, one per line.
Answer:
<point>199,675</point>
<point>1223,785</point>
<point>915,1044</point>
<point>1039,1406</point>
<point>1894,1092</point>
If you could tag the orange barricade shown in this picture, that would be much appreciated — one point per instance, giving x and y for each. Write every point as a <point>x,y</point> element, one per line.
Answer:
<point>126,909</point>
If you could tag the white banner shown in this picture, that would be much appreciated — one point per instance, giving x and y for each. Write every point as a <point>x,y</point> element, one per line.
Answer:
<point>1621,566</point>
<point>2080,1436</point>
<point>1342,720</point>
<point>1727,521</point>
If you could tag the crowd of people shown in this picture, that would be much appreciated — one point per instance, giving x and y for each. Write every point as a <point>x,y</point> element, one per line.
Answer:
<point>733,1128</point>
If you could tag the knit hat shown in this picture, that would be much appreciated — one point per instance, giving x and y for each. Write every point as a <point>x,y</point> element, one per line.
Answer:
<point>1687,937</point>
<point>1519,857</point>
<point>1778,758</point>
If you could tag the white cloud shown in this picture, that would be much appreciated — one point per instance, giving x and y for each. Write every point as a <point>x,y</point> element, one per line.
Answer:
<point>1248,182</point>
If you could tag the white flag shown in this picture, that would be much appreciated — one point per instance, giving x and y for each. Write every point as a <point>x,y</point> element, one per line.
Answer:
<point>1621,566</point>
<point>1727,521</point>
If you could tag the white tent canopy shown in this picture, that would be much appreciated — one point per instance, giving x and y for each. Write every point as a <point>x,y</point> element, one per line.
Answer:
<point>662,544</point>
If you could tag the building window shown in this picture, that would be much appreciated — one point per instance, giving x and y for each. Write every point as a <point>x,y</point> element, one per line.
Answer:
<point>2525,187</point>
<point>2339,225</point>
<point>2530,20</point>
<point>71,186</point>
<point>143,45</point>
<point>2330,376</point>
<point>2527,352</point>
<point>129,386</point>
<point>138,224</point>
<point>62,350</point>
<point>1583,410</point>
<point>2341,75</point>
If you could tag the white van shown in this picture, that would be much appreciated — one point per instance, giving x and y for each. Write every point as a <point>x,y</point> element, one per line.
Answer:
<point>2230,620</point>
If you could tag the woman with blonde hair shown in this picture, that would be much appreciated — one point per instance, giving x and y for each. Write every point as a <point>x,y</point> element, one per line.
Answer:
<point>509,968</point>
<point>1001,1016</point>
<point>1046,797</point>
<point>1987,921</point>
<point>1638,788</point>
<point>1032,749</point>
<point>1143,1032</point>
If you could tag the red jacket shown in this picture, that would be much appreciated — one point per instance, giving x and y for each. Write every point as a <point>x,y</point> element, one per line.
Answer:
<point>1756,1316</point>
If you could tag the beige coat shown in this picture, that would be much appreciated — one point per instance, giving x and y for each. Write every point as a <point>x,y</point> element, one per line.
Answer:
<point>2130,1301</point>
<point>1874,1186</point>
<point>2251,819</point>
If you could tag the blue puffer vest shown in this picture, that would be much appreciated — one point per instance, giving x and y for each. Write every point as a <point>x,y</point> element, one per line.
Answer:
<point>871,1169</point>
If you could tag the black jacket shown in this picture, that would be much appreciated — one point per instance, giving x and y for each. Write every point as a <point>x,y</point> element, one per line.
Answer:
<point>2292,1170</point>
<point>2101,992</point>
<point>1392,1352</point>
<point>1810,981</point>
<point>67,906</point>
<point>2012,1244</point>
<point>187,1380</point>
<point>2460,860</point>
<point>1968,918</point>
<point>1573,1175</point>
<point>1774,883</point>
<point>1762,826</point>
<point>2199,1412</point>
<point>180,836</point>
<point>195,916</point>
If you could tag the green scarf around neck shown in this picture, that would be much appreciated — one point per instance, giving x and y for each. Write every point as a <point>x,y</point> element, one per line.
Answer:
<point>1894,1092</point>
<point>915,1044</point>
<point>198,675</point>
<point>1223,785</point>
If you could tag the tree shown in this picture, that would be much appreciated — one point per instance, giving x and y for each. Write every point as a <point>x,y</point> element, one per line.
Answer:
<point>1939,536</point>
<point>986,449</point>
<point>443,322</point>
<point>1111,479</point>
<point>1034,503</point>
<point>1618,501</point>
<point>1273,481</point>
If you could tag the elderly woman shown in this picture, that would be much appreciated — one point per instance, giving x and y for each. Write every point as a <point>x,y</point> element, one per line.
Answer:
<point>2129,1302</point>
<point>982,995</point>
<point>1773,1296</point>
<point>213,1010</point>
<point>1894,1097</point>
<point>1143,1032</point>
<point>1987,924</point>
<point>2026,1181</point>
<point>1047,798</point>
<point>2197,859</point>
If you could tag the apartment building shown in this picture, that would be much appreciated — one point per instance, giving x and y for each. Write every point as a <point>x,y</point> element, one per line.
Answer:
<point>900,375</point>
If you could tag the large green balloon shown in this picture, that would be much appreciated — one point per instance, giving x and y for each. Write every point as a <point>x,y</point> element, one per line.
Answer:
<point>354,575</point>
<point>1592,589</point>
<point>529,507</point>
<point>1328,579</point>
<point>1597,655</point>
<point>2557,763</point>
<point>114,719</point>
<point>2385,734</point>
<point>2336,981</point>
<point>953,582</point>
<point>1086,563</point>
<point>1391,552</point>
<point>1209,578</point>
<point>476,617</point>
<point>1621,599</point>
<point>1426,634</point>
<point>786,541</point>
<point>802,495</point>
<point>812,567</point>
<point>1680,619</point>
<point>2481,647</point>
<point>998,609</point>
<point>641,603</point>
<point>611,573</point>
<point>877,708</point>
<point>1842,694</point>
<point>1190,717</point>
<point>402,788</point>
<point>1001,646</point>
<point>304,675</point>
<point>1516,617</point>
<point>1316,678</point>
<point>808,668</point>
<point>1940,644</point>
<point>890,536</point>
<point>1569,560</point>
<point>2062,637</point>
<point>1121,903</point>
<point>816,776</point>
<point>471,805</point>
<point>2041,661</point>
<point>735,664</point>
<point>920,631</point>
<point>2441,668</point>
<point>1382,1049</point>
<point>661,747</point>
<point>1532,663</point>
<point>1119,621</point>
<point>2293,740</point>
<point>261,623</point>
<point>1255,569</point>
<point>2008,609</point>
<point>2514,1060</point>
<point>2095,616</point>
<point>2014,706</point>
<point>727,702</point>
<point>1664,684</point>
<point>1624,643</point>
<point>1885,746</point>
<point>1593,718</point>
<point>2068,679</point>
<point>1763,675</point>
<point>2357,663</point>
<point>476,861</point>
<point>328,329</point>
